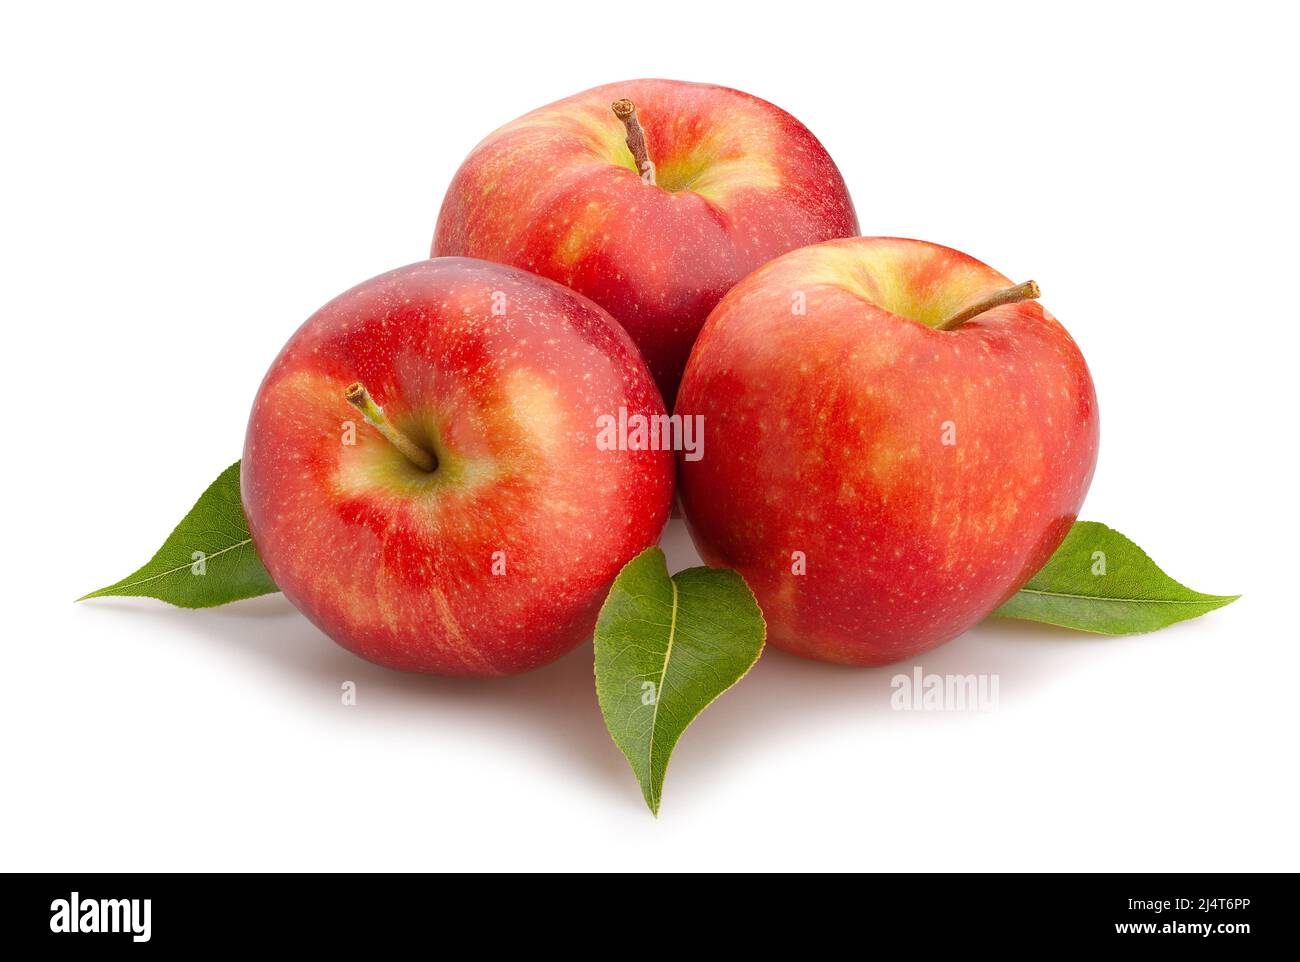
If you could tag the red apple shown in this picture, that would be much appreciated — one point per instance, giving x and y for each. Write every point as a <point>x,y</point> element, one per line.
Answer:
<point>465,522</point>
<point>895,441</point>
<point>731,181</point>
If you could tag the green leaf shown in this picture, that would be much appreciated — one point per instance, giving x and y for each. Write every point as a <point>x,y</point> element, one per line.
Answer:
<point>665,649</point>
<point>208,560</point>
<point>1098,580</point>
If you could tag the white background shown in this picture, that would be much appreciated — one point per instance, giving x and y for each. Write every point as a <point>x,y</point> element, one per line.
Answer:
<point>182,186</point>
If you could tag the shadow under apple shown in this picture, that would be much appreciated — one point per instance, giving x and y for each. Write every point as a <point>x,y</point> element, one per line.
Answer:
<point>554,711</point>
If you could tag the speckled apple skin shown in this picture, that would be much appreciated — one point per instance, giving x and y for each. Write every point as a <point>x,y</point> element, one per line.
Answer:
<point>824,434</point>
<point>397,564</point>
<point>556,192</point>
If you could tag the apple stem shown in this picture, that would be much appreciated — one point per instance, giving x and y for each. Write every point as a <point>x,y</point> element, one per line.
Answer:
<point>360,398</point>
<point>625,111</point>
<point>1027,291</point>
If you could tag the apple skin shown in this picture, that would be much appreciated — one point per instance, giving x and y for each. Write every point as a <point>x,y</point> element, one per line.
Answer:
<point>824,434</point>
<point>556,192</point>
<point>395,563</point>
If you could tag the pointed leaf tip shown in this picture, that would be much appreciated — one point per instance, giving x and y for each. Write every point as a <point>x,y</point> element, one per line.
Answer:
<point>1100,581</point>
<point>208,560</point>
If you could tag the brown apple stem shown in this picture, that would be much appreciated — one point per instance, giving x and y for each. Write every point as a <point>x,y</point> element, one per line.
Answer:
<point>625,111</point>
<point>360,398</point>
<point>1027,291</point>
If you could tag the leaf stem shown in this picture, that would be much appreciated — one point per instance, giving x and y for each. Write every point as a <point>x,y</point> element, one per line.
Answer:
<point>1027,291</point>
<point>360,398</point>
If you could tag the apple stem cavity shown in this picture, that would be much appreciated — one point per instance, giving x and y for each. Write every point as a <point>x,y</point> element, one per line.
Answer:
<point>625,111</point>
<point>360,398</point>
<point>1028,291</point>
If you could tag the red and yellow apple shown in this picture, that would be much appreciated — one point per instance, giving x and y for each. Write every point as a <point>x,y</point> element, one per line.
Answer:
<point>421,473</point>
<point>896,439</point>
<point>654,210</point>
